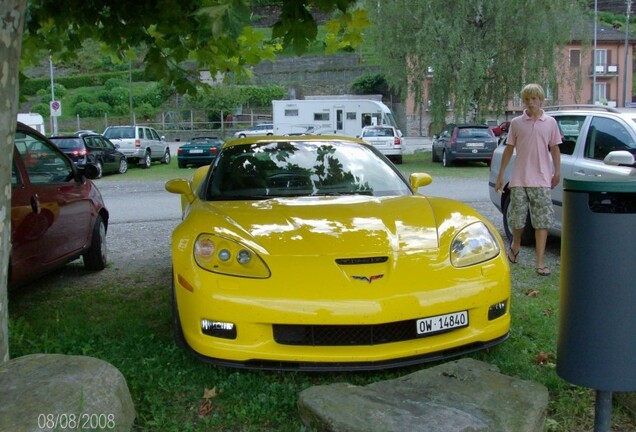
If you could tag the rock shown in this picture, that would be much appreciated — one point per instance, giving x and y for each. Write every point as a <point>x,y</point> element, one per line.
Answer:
<point>464,395</point>
<point>44,392</point>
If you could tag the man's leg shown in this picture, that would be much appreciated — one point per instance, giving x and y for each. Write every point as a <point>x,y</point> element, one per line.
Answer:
<point>541,237</point>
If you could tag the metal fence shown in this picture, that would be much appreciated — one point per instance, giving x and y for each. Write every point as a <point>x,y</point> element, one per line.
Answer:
<point>175,127</point>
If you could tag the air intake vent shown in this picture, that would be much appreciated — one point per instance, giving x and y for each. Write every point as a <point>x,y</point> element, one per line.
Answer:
<point>358,261</point>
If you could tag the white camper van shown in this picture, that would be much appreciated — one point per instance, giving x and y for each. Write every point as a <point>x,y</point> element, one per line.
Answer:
<point>34,120</point>
<point>344,115</point>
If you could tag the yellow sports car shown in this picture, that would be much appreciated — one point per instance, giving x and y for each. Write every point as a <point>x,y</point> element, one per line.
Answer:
<point>315,253</point>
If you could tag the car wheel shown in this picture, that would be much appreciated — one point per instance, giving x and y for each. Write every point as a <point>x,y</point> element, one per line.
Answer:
<point>445,161</point>
<point>166,157</point>
<point>527,236</point>
<point>181,164</point>
<point>398,160</point>
<point>241,135</point>
<point>177,330</point>
<point>95,258</point>
<point>123,166</point>
<point>100,169</point>
<point>146,161</point>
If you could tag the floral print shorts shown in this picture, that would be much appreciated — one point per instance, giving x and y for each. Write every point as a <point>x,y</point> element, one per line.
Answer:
<point>536,199</point>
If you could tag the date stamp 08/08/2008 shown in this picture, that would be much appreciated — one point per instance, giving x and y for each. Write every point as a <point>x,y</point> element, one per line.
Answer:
<point>76,421</point>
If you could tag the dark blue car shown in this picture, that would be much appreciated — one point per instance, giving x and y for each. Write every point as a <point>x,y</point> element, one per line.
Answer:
<point>199,151</point>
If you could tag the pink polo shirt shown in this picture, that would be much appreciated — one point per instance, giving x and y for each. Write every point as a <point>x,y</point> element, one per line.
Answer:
<point>532,140</point>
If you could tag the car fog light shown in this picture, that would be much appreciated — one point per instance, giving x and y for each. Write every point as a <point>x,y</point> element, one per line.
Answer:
<point>224,255</point>
<point>497,310</point>
<point>226,330</point>
<point>244,256</point>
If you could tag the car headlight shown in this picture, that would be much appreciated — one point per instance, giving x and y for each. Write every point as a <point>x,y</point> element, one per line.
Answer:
<point>472,245</point>
<point>229,257</point>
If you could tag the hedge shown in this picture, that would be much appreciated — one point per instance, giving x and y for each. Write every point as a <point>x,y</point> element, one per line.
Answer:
<point>30,86</point>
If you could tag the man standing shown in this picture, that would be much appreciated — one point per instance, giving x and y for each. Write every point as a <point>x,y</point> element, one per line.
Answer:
<point>536,138</point>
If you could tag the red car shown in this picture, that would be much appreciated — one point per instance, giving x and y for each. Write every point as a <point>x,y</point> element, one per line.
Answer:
<point>57,213</point>
<point>501,129</point>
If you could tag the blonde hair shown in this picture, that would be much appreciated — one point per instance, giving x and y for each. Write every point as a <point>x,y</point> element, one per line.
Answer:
<point>533,90</point>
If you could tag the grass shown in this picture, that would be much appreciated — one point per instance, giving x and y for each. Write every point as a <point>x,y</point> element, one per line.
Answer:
<point>129,326</point>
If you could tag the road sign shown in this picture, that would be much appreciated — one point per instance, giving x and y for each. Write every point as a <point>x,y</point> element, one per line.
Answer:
<point>56,108</point>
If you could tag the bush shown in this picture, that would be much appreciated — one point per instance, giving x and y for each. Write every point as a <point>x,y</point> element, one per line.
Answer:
<point>370,84</point>
<point>111,83</point>
<point>43,109</point>
<point>86,109</point>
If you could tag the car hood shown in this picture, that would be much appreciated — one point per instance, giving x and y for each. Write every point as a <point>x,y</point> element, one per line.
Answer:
<point>351,225</point>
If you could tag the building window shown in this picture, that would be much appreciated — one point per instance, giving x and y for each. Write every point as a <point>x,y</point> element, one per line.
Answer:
<point>575,57</point>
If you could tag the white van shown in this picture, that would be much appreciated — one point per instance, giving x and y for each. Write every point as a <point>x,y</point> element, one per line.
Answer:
<point>34,120</point>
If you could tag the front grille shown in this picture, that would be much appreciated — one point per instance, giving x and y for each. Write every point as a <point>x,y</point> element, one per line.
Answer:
<point>344,335</point>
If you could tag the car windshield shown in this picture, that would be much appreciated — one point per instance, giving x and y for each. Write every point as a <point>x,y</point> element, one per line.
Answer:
<point>66,144</point>
<point>302,168</point>
<point>120,132</point>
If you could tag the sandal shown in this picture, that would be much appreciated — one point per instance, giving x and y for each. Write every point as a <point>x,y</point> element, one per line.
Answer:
<point>543,271</point>
<point>512,255</point>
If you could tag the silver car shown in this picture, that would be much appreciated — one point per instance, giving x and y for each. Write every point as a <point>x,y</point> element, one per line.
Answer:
<point>387,139</point>
<point>598,142</point>
<point>261,129</point>
<point>140,144</point>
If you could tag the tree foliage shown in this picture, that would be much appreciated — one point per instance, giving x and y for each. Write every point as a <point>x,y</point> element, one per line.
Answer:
<point>211,34</point>
<point>473,54</point>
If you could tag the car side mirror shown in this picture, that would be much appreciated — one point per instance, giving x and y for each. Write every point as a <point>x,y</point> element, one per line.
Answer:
<point>619,157</point>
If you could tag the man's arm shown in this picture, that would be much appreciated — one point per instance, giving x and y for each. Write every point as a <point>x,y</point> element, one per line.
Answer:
<point>556,160</point>
<point>505,159</point>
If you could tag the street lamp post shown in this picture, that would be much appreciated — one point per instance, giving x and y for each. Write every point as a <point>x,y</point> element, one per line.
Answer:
<point>625,69</point>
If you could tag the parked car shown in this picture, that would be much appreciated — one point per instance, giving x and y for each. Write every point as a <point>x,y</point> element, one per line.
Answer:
<point>140,144</point>
<point>314,252</point>
<point>87,147</point>
<point>57,214</point>
<point>464,142</point>
<point>264,129</point>
<point>597,142</point>
<point>199,151</point>
<point>387,139</point>
<point>501,128</point>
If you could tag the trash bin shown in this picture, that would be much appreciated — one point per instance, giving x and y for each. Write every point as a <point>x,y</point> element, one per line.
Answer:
<point>596,344</point>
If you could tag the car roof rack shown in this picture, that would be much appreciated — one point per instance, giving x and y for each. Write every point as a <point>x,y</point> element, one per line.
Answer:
<point>581,106</point>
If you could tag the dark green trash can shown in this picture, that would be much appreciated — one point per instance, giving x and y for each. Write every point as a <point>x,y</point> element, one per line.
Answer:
<point>596,345</point>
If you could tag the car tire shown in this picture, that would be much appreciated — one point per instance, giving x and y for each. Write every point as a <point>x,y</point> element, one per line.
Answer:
<point>398,160</point>
<point>527,236</point>
<point>166,157</point>
<point>96,257</point>
<point>146,161</point>
<point>123,166</point>
<point>181,164</point>
<point>241,136</point>
<point>177,330</point>
<point>445,160</point>
<point>100,169</point>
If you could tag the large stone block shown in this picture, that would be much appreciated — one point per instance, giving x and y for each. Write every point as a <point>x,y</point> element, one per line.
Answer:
<point>46,392</point>
<point>464,395</point>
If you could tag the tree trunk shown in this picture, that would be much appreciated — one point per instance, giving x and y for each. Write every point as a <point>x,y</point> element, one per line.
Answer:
<point>11,26</point>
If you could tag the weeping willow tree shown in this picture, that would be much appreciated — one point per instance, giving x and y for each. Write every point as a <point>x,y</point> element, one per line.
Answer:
<point>472,54</point>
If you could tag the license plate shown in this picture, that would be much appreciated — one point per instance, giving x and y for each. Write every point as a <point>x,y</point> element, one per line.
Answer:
<point>196,151</point>
<point>439,323</point>
<point>475,145</point>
